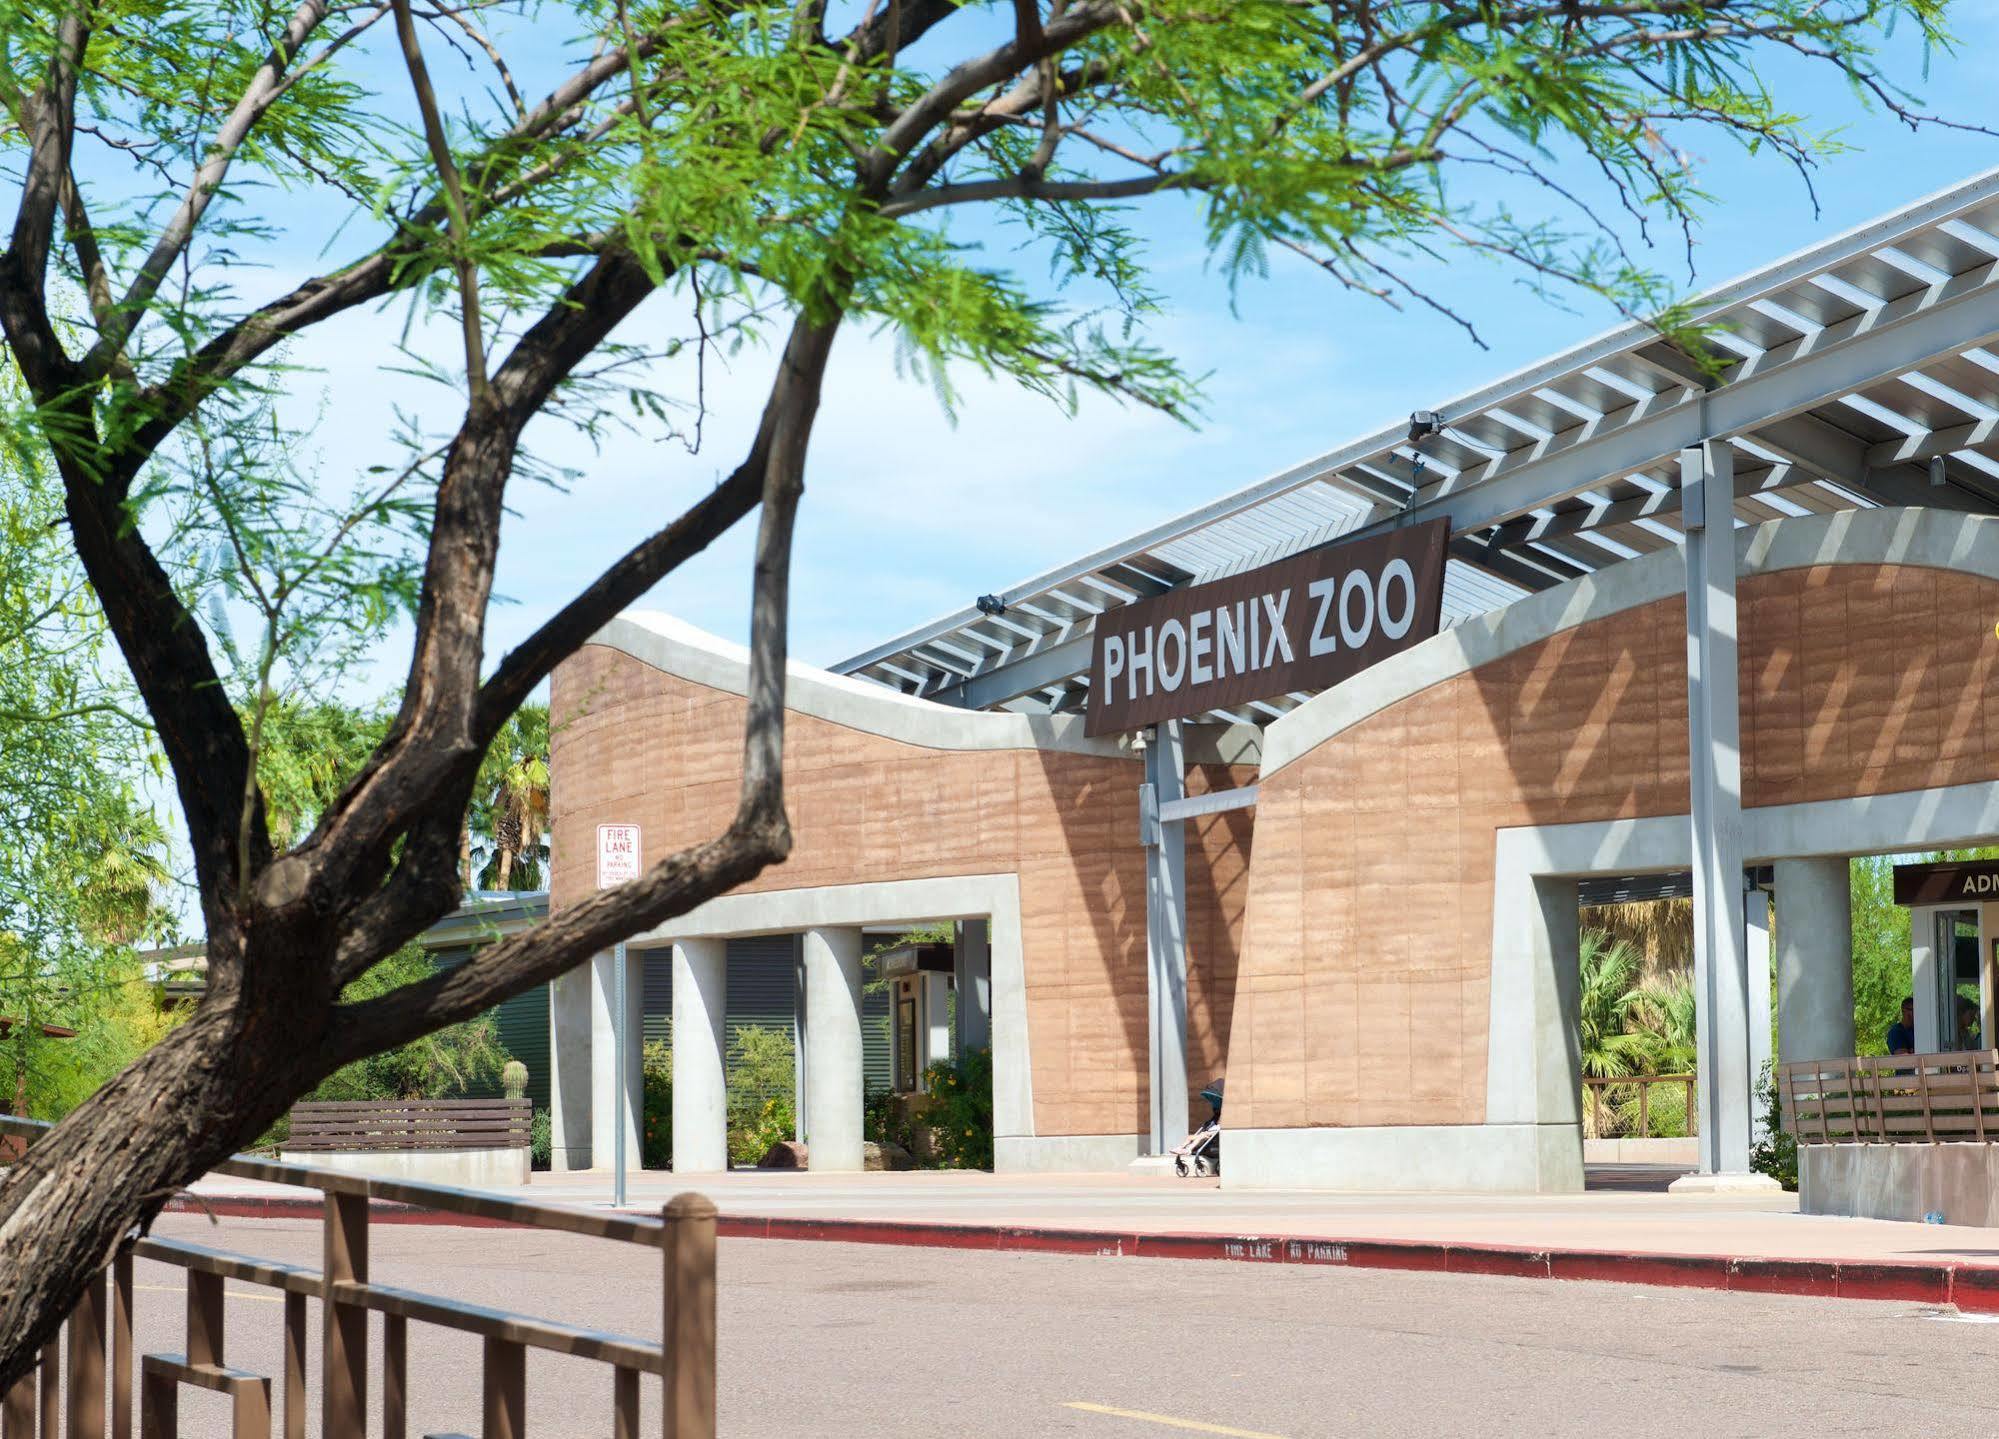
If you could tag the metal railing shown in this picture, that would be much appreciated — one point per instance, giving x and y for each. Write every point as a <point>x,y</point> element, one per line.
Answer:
<point>100,1342</point>
<point>1596,1093</point>
<point>373,1125</point>
<point>1891,1099</point>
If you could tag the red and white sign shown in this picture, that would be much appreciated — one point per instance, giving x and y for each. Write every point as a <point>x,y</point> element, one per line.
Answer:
<point>617,854</point>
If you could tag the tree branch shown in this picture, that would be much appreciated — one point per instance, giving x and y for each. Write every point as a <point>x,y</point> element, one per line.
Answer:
<point>758,835</point>
<point>459,220</point>
<point>1023,187</point>
<point>258,95</point>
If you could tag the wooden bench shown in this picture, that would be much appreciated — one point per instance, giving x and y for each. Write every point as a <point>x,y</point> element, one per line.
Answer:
<point>374,1126</point>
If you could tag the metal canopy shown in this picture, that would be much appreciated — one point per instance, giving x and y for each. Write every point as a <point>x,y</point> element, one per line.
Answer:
<point>1855,373</point>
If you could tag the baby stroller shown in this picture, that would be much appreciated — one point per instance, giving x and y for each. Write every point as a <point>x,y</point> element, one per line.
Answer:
<point>1202,1153</point>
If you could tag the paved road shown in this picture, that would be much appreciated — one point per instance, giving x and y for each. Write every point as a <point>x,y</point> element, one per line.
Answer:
<point>832,1341</point>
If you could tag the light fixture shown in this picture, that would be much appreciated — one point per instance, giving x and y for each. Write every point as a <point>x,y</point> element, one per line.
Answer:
<point>1936,469</point>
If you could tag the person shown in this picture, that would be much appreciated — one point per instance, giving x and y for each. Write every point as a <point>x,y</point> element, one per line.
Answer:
<point>1967,1025</point>
<point>1902,1033</point>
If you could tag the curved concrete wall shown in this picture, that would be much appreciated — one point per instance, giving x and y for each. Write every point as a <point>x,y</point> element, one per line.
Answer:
<point>1364,995</point>
<point>882,788</point>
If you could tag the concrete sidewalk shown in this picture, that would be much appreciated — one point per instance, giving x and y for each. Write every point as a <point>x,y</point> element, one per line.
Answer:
<point>1626,1212</point>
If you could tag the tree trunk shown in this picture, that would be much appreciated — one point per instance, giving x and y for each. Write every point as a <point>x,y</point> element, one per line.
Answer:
<point>506,867</point>
<point>206,1090</point>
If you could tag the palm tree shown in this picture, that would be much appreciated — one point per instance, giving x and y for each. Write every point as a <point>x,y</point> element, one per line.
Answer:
<point>1610,999</point>
<point>511,804</point>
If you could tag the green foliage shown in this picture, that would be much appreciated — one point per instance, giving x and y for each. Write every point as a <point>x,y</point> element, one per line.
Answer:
<point>1629,1029</point>
<point>541,1140</point>
<point>1609,1006</point>
<point>763,1069</point>
<point>1881,977</point>
<point>82,853</point>
<point>885,1120</point>
<point>763,1064</point>
<point>310,749</point>
<point>1776,1154</point>
<point>754,1126</point>
<point>509,817</point>
<point>446,1064</point>
<point>656,1136</point>
<point>960,1109</point>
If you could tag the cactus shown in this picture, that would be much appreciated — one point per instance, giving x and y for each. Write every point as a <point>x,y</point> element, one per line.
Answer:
<point>514,1079</point>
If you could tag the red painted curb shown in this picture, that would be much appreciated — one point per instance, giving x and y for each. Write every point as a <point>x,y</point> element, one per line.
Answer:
<point>1916,1283</point>
<point>1816,1277</point>
<point>1969,1286</point>
<point>1499,1259</point>
<point>1683,1271</point>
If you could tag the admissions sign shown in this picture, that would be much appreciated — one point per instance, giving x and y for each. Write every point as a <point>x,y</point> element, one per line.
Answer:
<point>1302,623</point>
<point>1973,881</point>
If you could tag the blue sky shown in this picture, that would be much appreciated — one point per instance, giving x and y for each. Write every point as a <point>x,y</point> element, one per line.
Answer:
<point>908,515</point>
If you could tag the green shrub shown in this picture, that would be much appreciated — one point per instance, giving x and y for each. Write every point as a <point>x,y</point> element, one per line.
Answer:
<point>961,1109</point>
<point>886,1122</point>
<point>754,1128</point>
<point>763,1064</point>
<point>460,1059</point>
<point>1776,1154</point>
<point>541,1140</point>
<point>763,1077</point>
<point>656,1141</point>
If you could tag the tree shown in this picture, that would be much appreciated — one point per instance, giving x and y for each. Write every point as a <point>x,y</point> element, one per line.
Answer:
<point>510,803</point>
<point>764,169</point>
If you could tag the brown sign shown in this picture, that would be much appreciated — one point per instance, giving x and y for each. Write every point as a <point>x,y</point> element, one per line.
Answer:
<point>1969,882</point>
<point>1303,623</point>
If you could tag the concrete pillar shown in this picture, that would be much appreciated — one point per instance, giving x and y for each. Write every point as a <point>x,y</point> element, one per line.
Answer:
<point>1756,921</point>
<point>1814,959</point>
<point>1721,972</point>
<point>833,1081</point>
<point>603,1056</point>
<point>700,1077</point>
<point>1988,975</point>
<point>1927,966</point>
<point>1166,941</point>
<point>973,965</point>
<point>936,1020</point>
<point>569,1070</point>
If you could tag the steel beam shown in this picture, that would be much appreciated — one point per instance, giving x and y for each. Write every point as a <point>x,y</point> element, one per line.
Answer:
<point>1196,805</point>
<point>1900,336</point>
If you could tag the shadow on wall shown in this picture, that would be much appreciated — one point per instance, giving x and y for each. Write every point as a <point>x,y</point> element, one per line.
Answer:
<point>1083,938</point>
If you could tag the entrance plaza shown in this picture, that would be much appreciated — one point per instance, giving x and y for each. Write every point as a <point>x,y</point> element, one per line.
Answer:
<point>1301,789</point>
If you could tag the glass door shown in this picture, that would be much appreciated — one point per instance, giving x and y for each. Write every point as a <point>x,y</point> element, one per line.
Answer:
<point>1959,997</point>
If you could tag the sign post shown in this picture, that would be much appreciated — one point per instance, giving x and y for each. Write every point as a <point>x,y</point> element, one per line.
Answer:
<point>618,863</point>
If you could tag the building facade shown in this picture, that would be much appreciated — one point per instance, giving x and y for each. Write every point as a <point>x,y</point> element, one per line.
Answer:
<point>1713,619</point>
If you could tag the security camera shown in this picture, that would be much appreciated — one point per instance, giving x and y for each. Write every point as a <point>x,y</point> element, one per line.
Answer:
<point>1423,423</point>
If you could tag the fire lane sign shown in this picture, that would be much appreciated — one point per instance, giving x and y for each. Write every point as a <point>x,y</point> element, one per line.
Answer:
<point>1305,622</point>
<point>617,854</point>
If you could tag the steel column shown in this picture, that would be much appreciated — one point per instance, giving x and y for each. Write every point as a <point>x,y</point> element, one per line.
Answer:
<point>1721,971</point>
<point>1165,938</point>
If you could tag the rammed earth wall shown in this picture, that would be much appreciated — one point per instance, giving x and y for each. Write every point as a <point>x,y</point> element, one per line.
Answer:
<point>1363,997</point>
<point>636,743</point>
